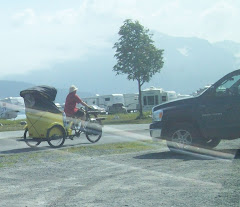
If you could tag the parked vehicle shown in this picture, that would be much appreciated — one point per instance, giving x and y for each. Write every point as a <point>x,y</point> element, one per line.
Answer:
<point>203,120</point>
<point>171,95</point>
<point>99,109</point>
<point>91,100</point>
<point>117,108</point>
<point>131,101</point>
<point>152,97</point>
<point>105,101</point>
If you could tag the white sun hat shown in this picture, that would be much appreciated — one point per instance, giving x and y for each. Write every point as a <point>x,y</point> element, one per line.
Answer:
<point>72,88</point>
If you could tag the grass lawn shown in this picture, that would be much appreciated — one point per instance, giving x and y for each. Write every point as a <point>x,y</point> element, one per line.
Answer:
<point>11,125</point>
<point>129,118</point>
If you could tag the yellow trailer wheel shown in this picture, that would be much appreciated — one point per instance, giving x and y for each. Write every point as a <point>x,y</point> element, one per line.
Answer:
<point>56,136</point>
<point>31,142</point>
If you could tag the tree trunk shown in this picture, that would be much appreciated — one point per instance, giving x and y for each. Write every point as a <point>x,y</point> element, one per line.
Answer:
<point>140,99</point>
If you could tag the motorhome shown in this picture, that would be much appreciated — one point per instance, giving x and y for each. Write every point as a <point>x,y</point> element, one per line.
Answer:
<point>131,101</point>
<point>153,96</point>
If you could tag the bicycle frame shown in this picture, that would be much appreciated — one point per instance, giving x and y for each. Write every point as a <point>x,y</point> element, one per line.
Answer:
<point>92,127</point>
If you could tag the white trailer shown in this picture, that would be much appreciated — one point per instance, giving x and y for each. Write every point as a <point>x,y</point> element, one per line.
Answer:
<point>91,100</point>
<point>153,96</point>
<point>171,95</point>
<point>131,101</point>
<point>181,96</point>
<point>105,101</point>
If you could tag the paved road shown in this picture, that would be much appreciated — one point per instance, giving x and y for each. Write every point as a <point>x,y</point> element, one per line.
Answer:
<point>111,134</point>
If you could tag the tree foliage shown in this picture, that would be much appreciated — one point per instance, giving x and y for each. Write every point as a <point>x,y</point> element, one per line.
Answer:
<point>136,54</point>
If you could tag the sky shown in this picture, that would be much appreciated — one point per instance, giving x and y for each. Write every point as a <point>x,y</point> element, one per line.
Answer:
<point>36,34</point>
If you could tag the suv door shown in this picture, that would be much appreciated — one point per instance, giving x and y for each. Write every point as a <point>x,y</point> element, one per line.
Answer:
<point>220,108</point>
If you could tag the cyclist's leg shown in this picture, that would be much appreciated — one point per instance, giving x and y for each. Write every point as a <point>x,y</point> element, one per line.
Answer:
<point>81,117</point>
<point>81,114</point>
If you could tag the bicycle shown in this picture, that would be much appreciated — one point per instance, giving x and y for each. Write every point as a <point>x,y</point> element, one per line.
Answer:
<point>91,127</point>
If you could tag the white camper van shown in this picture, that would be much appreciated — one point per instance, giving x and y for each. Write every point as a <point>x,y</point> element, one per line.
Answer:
<point>131,101</point>
<point>153,96</point>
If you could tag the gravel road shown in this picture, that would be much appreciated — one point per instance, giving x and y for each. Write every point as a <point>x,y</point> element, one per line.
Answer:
<point>146,178</point>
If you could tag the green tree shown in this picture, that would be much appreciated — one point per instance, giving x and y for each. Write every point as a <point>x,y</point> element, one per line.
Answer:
<point>136,55</point>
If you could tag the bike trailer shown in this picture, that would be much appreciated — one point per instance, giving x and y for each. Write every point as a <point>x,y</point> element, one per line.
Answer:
<point>41,112</point>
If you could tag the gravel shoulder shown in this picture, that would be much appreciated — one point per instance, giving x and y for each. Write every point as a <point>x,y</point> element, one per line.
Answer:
<point>148,177</point>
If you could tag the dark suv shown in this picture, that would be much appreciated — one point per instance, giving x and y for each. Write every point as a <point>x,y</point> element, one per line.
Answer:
<point>202,120</point>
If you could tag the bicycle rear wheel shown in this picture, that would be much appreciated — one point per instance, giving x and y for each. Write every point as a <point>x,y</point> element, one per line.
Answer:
<point>93,131</point>
<point>31,142</point>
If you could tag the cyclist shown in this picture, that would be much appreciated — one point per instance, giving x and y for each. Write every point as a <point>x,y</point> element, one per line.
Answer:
<point>71,102</point>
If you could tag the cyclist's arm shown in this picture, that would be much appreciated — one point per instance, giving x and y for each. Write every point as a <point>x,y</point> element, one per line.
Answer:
<point>81,102</point>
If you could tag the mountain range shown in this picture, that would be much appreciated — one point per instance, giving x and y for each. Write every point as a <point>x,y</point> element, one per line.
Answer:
<point>189,64</point>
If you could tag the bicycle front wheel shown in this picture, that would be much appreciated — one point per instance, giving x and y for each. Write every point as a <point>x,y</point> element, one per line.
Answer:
<point>93,131</point>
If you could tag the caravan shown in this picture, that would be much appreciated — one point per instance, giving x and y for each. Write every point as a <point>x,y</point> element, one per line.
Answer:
<point>106,101</point>
<point>171,95</point>
<point>153,96</point>
<point>92,100</point>
<point>131,101</point>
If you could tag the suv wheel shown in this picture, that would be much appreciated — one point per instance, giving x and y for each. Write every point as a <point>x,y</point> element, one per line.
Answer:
<point>182,136</point>
<point>211,143</point>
